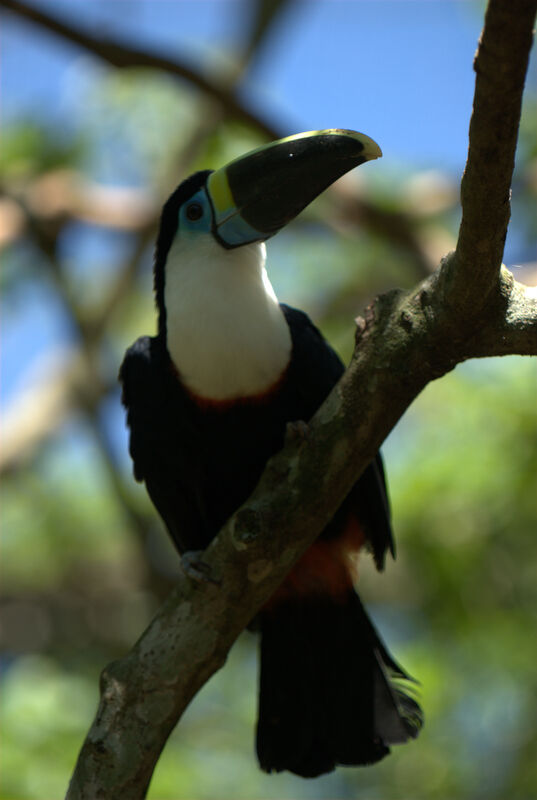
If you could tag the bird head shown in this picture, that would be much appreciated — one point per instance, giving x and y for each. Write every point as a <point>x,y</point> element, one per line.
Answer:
<point>253,197</point>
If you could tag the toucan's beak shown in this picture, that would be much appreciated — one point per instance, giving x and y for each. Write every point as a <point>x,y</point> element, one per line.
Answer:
<point>260,192</point>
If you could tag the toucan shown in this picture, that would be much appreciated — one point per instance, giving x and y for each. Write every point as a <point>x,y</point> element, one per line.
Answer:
<point>208,400</point>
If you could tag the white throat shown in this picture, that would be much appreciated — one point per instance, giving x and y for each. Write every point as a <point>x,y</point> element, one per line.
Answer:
<point>226,332</point>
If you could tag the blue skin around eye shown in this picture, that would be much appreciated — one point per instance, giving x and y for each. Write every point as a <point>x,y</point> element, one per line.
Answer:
<point>201,225</point>
<point>234,231</point>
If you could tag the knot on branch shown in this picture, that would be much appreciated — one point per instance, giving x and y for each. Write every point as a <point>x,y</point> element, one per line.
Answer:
<point>259,569</point>
<point>405,320</point>
<point>111,683</point>
<point>296,432</point>
<point>246,528</point>
<point>378,314</point>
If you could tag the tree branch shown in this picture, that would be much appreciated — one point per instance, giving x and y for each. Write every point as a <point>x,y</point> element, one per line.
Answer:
<point>500,64</point>
<point>121,55</point>
<point>404,341</point>
<point>512,328</point>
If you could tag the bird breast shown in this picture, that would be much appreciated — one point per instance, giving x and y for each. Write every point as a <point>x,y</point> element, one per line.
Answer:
<point>226,332</point>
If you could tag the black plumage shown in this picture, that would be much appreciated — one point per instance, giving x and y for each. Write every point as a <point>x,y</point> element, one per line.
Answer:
<point>325,694</point>
<point>200,462</point>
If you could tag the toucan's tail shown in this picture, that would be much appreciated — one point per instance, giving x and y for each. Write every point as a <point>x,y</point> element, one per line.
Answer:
<point>330,693</point>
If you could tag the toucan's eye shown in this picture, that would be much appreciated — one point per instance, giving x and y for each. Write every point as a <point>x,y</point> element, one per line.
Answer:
<point>194,211</point>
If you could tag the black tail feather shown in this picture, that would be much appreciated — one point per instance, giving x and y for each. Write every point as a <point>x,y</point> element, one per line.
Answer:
<point>330,693</point>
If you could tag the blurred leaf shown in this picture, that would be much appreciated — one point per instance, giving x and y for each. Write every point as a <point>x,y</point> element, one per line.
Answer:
<point>46,708</point>
<point>30,149</point>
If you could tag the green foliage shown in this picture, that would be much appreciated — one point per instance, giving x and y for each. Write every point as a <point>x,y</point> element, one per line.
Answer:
<point>44,709</point>
<point>57,514</point>
<point>30,148</point>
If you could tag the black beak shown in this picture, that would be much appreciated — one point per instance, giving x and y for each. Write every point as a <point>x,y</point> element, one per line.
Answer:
<point>254,196</point>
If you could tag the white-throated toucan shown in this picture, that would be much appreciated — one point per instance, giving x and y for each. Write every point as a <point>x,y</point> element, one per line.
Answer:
<point>208,400</point>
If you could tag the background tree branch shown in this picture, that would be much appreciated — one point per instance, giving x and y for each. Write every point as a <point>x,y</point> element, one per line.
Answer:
<point>121,55</point>
<point>406,339</point>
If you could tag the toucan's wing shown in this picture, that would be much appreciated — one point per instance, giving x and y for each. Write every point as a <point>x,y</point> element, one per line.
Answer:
<point>316,369</point>
<point>163,440</point>
<point>315,366</point>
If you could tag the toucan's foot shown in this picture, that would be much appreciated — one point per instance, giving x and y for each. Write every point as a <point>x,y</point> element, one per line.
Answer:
<point>195,568</point>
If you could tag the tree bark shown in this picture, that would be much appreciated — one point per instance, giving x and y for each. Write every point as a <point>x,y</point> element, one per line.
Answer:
<point>470,307</point>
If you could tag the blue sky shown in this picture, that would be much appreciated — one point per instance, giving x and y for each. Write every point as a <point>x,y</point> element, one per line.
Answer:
<point>399,70</point>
